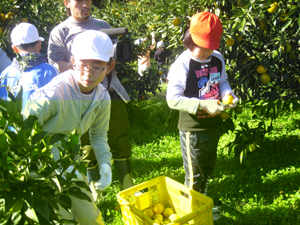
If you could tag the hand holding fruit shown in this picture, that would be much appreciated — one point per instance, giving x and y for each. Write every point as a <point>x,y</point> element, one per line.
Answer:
<point>212,107</point>
<point>230,100</point>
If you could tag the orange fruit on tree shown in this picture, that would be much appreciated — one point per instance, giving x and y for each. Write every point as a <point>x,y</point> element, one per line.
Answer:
<point>224,115</point>
<point>24,20</point>
<point>1,31</point>
<point>282,17</point>
<point>265,78</point>
<point>293,54</point>
<point>2,17</point>
<point>229,42</point>
<point>262,25</point>
<point>160,72</point>
<point>8,16</point>
<point>176,22</point>
<point>273,8</point>
<point>260,69</point>
<point>287,48</point>
<point>239,37</point>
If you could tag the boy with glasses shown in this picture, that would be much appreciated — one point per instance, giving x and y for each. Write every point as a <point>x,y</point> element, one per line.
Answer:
<point>75,99</point>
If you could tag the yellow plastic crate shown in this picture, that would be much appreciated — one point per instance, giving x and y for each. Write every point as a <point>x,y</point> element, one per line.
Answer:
<point>191,206</point>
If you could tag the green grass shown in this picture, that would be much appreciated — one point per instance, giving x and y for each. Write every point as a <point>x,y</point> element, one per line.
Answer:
<point>264,189</point>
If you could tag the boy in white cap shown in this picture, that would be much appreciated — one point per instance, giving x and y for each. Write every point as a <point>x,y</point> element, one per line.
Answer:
<point>37,72</point>
<point>75,100</point>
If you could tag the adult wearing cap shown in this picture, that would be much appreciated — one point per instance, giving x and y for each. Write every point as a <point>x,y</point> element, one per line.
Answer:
<point>197,82</point>
<point>75,100</point>
<point>59,54</point>
<point>36,73</point>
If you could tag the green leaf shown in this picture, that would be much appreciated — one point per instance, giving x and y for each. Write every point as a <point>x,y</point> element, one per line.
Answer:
<point>42,208</point>
<point>77,192</point>
<point>30,213</point>
<point>56,137</point>
<point>38,137</point>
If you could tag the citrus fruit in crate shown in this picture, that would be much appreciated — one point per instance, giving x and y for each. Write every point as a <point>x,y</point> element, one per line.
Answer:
<point>158,208</point>
<point>168,212</point>
<point>149,213</point>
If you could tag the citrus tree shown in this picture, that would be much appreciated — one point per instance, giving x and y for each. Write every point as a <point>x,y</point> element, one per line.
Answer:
<point>32,183</point>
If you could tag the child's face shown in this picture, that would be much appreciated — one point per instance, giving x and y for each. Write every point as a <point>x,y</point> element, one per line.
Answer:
<point>201,53</point>
<point>90,73</point>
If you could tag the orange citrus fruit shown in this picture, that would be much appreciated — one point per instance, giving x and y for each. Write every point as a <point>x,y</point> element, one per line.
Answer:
<point>228,99</point>
<point>265,78</point>
<point>229,42</point>
<point>273,8</point>
<point>282,17</point>
<point>176,22</point>
<point>260,69</point>
<point>168,212</point>
<point>158,208</point>
<point>262,25</point>
<point>287,47</point>
<point>149,213</point>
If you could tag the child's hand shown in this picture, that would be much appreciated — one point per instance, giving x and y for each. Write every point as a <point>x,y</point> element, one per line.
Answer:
<point>212,107</point>
<point>106,177</point>
<point>230,100</point>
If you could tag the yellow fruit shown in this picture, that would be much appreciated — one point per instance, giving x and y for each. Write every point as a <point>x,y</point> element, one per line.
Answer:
<point>168,212</point>
<point>229,42</point>
<point>176,22</point>
<point>228,99</point>
<point>287,47</point>
<point>224,115</point>
<point>11,13</point>
<point>174,217</point>
<point>273,8</point>
<point>24,20</point>
<point>260,69</point>
<point>2,17</point>
<point>262,25</point>
<point>265,78</point>
<point>8,16</point>
<point>117,14</point>
<point>1,31</point>
<point>282,17</point>
<point>158,208</point>
<point>158,217</point>
<point>149,213</point>
<point>160,73</point>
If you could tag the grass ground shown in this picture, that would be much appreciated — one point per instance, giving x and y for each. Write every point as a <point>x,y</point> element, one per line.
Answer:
<point>264,189</point>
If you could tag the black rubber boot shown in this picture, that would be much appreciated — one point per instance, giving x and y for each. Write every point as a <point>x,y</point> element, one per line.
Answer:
<point>123,170</point>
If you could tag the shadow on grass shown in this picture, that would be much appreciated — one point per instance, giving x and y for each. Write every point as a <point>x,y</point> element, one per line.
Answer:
<point>268,174</point>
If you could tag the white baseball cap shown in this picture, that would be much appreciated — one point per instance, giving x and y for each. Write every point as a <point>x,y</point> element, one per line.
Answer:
<point>25,33</point>
<point>160,44</point>
<point>92,44</point>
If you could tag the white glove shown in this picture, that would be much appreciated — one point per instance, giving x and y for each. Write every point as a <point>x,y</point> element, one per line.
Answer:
<point>106,177</point>
<point>212,107</point>
<point>234,101</point>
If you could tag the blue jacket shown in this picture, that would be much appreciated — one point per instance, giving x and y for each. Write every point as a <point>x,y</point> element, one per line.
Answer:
<point>36,74</point>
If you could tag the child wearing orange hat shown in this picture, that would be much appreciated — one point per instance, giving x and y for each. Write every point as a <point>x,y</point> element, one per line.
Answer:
<point>197,83</point>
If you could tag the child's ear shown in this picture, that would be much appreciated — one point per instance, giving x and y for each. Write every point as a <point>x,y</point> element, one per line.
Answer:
<point>110,68</point>
<point>15,48</point>
<point>72,60</point>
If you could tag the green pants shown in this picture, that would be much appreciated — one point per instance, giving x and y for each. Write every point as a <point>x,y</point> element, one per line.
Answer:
<point>118,142</point>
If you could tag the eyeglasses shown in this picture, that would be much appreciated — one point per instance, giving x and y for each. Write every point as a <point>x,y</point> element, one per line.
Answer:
<point>93,69</point>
